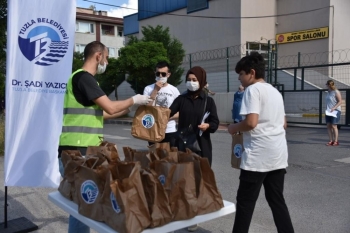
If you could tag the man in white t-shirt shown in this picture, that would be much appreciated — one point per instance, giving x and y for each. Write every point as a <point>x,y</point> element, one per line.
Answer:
<point>163,93</point>
<point>265,155</point>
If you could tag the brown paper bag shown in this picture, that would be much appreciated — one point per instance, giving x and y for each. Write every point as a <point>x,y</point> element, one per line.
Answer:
<point>150,123</point>
<point>179,182</point>
<point>129,212</point>
<point>89,185</point>
<point>237,150</point>
<point>157,199</point>
<point>71,160</point>
<point>106,149</point>
<point>209,198</point>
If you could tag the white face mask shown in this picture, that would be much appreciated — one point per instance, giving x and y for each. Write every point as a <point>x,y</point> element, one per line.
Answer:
<point>101,68</point>
<point>192,86</point>
<point>163,80</point>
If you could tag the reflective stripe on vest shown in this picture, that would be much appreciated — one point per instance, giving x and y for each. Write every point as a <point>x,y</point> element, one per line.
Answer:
<point>82,126</point>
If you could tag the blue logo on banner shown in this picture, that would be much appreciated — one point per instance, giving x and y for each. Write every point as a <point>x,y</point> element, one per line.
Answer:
<point>147,121</point>
<point>89,191</point>
<point>161,178</point>
<point>115,203</point>
<point>43,41</point>
<point>237,150</point>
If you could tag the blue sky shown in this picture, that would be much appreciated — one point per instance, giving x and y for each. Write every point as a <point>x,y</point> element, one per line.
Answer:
<point>112,11</point>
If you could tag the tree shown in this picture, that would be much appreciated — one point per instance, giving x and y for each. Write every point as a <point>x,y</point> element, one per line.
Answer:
<point>174,55</point>
<point>138,61</point>
<point>3,28</point>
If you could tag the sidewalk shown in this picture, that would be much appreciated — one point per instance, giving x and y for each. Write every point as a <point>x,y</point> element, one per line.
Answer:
<point>128,121</point>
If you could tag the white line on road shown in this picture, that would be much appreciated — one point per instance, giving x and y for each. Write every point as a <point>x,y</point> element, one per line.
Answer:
<point>115,137</point>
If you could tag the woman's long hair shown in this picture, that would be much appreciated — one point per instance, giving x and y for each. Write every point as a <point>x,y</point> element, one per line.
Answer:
<point>331,85</point>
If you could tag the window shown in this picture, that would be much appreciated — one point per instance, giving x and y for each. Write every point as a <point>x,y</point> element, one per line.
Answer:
<point>107,30</point>
<point>84,27</point>
<point>111,52</point>
<point>196,5</point>
<point>80,48</point>
<point>120,31</point>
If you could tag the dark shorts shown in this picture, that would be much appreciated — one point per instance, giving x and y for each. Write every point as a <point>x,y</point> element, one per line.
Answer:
<point>333,120</point>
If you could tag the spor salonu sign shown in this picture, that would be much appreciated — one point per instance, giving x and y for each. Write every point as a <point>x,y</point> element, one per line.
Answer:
<point>305,35</point>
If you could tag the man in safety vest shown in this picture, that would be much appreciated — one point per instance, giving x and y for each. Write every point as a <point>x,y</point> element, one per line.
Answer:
<point>85,107</point>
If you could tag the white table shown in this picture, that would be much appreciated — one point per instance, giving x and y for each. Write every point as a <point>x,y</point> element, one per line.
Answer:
<point>72,208</point>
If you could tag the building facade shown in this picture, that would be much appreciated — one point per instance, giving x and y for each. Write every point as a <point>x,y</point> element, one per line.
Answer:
<point>212,24</point>
<point>94,25</point>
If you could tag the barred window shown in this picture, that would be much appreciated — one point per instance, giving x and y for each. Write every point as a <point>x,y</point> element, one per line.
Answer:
<point>196,5</point>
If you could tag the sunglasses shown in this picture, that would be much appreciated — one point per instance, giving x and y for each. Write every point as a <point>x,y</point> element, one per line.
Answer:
<point>161,73</point>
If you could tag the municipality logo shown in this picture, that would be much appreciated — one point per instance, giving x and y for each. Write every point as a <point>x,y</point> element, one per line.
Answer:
<point>89,191</point>
<point>43,41</point>
<point>237,150</point>
<point>148,121</point>
<point>161,178</point>
<point>115,203</point>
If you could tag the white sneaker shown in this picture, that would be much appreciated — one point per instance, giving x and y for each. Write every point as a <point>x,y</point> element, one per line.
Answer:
<point>192,228</point>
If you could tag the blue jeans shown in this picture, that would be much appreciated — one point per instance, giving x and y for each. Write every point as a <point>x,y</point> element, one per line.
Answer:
<point>74,225</point>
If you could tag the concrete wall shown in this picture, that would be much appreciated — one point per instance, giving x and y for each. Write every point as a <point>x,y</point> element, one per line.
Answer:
<point>197,34</point>
<point>304,21</point>
<point>254,29</point>
<point>341,25</point>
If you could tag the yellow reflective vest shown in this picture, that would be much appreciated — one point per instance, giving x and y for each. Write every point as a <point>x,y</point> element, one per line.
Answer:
<point>82,126</point>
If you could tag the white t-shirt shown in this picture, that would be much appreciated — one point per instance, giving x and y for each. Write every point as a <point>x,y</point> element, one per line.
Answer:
<point>165,97</point>
<point>265,147</point>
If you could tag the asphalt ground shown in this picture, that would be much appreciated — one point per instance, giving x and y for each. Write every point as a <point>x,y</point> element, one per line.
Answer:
<point>317,186</point>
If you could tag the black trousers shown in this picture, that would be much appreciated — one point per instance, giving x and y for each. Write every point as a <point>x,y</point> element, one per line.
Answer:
<point>169,137</point>
<point>248,192</point>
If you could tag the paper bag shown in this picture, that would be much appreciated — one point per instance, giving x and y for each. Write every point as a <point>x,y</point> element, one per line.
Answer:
<point>129,212</point>
<point>89,185</point>
<point>107,149</point>
<point>237,150</point>
<point>71,160</point>
<point>157,199</point>
<point>150,123</point>
<point>179,182</point>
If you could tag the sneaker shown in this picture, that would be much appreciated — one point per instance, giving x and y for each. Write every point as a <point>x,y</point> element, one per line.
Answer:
<point>192,228</point>
<point>335,144</point>
<point>330,143</point>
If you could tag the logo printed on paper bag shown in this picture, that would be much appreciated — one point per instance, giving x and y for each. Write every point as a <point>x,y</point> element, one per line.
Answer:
<point>43,41</point>
<point>89,191</point>
<point>115,203</point>
<point>148,121</point>
<point>161,178</point>
<point>237,150</point>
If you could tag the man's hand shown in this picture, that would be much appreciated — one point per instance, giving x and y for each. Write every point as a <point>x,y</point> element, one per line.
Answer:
<point>158,85</point>
<point>141,99</point>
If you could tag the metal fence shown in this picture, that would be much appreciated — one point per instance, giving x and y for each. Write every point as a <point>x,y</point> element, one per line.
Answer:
<point>301,78</point>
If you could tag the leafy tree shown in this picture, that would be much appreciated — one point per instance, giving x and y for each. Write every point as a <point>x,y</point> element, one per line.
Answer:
<point>3,27</point>
<point>138,60</point>
<point>78,61</point>
<point>174,55</point>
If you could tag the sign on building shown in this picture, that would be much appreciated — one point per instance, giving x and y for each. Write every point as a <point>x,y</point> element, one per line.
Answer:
<point>305,35</point>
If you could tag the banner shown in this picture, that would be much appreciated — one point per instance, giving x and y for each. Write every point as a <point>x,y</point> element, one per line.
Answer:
<point>297,36</point>
<point>40,45</point>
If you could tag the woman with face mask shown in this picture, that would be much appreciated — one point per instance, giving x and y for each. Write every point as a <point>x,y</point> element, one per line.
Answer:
<point>190,107</point>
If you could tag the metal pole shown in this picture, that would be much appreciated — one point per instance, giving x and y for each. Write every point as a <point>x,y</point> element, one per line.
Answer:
<point>276,59</point>
<point>320,108</point>
<point>299,59</point>
<point>295,79</point>
<point>269,62</point>
<point>5,208</point>
<point>227,71</point>
<point>302,78</point>
<point>190,60</point>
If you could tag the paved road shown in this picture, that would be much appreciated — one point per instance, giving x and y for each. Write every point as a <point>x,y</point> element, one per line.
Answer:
<point>317,187</point>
